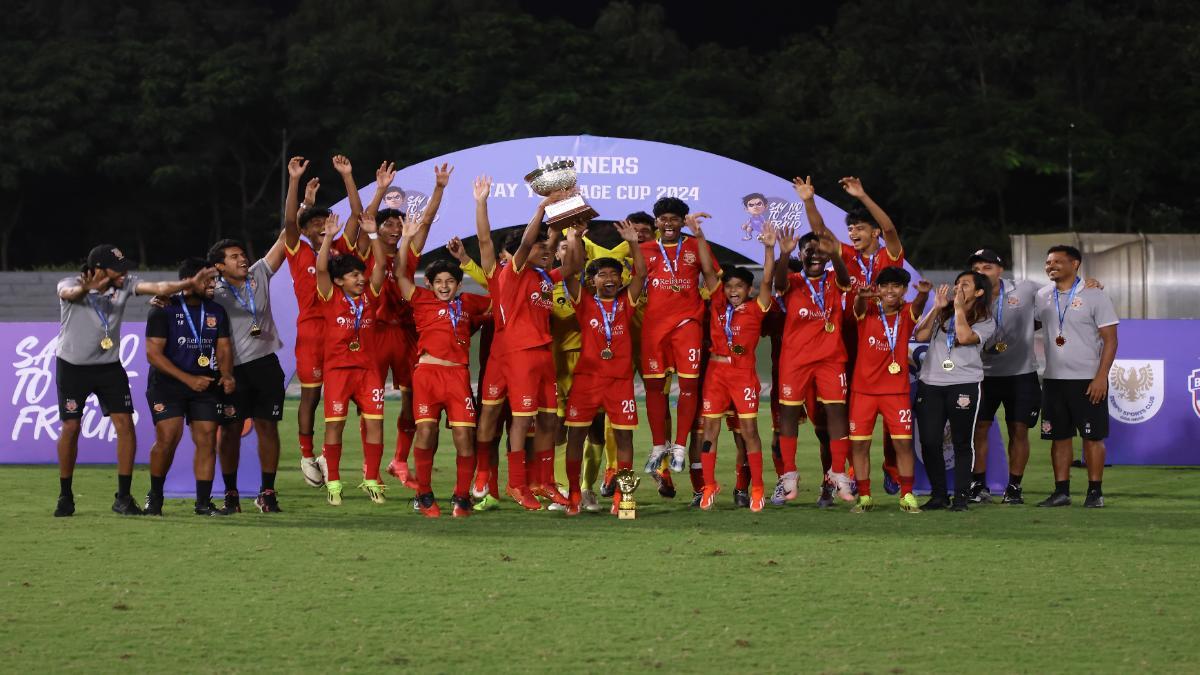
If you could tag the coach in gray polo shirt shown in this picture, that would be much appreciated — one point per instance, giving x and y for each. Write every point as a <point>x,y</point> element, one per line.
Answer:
<point>1080,327</point>
<point>91,308</point>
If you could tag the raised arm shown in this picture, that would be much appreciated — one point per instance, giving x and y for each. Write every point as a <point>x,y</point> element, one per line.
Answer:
<point>276,255</point>
<point>891,238</point>
<point>342,165</point>
<point>384,175</point>
<point>441,178</point>
<point>833,248</point>
<point>531,231</point>
<point>483,226</point>
<point>195,284</point>
<point>573,261</point>
<point>769,237</point>
<point>787,244</point>
<point>408,228</point>
<point>629,234</point>
<point>324,282</point>
<point>923,287</point>
<point>807,194</point>
<point>707,266</point>
<point>862,298</point>
<point>963,333</point>
<point>924,327</point>
<point>291,228</point>
<point>91,280</point>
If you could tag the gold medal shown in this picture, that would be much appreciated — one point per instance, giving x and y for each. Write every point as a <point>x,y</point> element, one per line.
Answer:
<point>354,346</point>
<point>106,343</point>
<point>829,327</point>
<point>255,331</point>
<point>894,368</point>
<point>606,354</point>
<point>202,361</point>
<point>737,349</point>
<point>1001,347</point>
<point>947,365</point>
<point>1060,340</point>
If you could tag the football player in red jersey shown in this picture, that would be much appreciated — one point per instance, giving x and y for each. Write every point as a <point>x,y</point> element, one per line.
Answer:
<point>441,380</point>
<point>732,377</point>
<point>345,295</point>
<point>603,377</point>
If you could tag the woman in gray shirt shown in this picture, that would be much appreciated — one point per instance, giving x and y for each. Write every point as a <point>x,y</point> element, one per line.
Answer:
<point>949,384</point>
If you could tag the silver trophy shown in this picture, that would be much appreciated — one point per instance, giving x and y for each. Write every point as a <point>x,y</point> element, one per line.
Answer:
<point>554,177</point>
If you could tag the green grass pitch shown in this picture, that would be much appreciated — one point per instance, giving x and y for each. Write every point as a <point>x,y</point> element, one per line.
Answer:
<point>379,588</point>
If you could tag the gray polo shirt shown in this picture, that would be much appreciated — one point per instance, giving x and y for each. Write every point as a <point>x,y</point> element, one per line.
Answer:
<point>1079,357</point>
<point>80,329</point>
<point>968,367</point>
<point>1014,327</point>
<point>245,347</point>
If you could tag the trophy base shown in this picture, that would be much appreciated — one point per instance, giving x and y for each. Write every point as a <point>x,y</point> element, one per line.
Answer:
<point>626,512</point>
<point>569,209</point>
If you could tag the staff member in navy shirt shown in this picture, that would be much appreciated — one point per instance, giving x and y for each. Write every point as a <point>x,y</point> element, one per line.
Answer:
<point>191,367</point>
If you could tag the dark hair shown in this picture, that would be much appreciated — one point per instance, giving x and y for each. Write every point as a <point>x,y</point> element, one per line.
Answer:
<point>1072,252</point>
<point>513,241</point>
<point>980,309</point>
<point>671,205</point>
<point>805,238</point>
<point>393,188</point>
<point>603,263</point>
<point>893,275</point>
<point>641,218</point>
<point>191,266</point>
<point>309,214</point>
<point>341,265</point>
<point>754,195</point>
<point>216,253</point>
<point>736,272</point>
<point>383,214</point>
<point>433,269</point>
<point>859,215</point>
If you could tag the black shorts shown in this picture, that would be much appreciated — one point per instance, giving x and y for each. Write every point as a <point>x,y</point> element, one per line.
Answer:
<point>1021,396</point>
<point>169,398</point>
<point>108,382</point>
<point>259,393</point>
<point>1066,410</point>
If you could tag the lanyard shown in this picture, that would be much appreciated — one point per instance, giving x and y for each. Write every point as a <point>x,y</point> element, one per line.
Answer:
<point>729,325</point>
<point>546,278</point>
<point>672,265</point>
<point>99,312</point>
<point>891,333</point>
<point>454,311</point>
<point>1000,308</point>
<point>950,338</point>
<point>356,308</point>
<point>607,318</point>
<point>1062,314</point>
<point>191,326</point>
<point>868,267</point>
<point>817,298</point>
<point>247,304</point>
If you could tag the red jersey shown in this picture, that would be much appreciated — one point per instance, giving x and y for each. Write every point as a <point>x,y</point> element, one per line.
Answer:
<point>526,299</point>
<point>679,269</point>
<point>444,328</point>
<point>340,332</point>
<point>392,308</point>
<point>593,339</point>
<point>864,269</point>
<point>871,374</point>
<point>805,338</point>
<point>744,329</point>
<point>302,263</point>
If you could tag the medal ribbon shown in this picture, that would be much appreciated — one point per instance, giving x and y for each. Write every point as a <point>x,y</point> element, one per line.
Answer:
<point>454,311</point>
<point>729,326</point>
<point>546,278</point>
<point>607,319</point>
<point>818,298</point>
<point>247,304</point>
<point>672,265</point>
<point>191,326</point>
<point>867,268</point>
<point>950,338</point>
<point>891,333</point>
<point>1062,314</point>
<point>99,312</point>
<point>357,309</point>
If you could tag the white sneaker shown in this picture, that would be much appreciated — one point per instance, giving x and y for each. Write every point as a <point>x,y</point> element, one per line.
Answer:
<point>654,460</point>
<point>588,502</point>
<point>787,483</point>
<point>324,468</point>
<point>312,472</point>
<point>679,456</point>
<point>555,506</point>
<point>842,482</point>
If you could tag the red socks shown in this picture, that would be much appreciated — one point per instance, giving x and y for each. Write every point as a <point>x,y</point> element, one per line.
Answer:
<point>743,476</point>
<point>574,467</point>
<point>689,403</point>
<point>708,460</point>
<point>372,455</point>
<point>516,469</point>
<point>333,459</point>
<point>905,485</point>
<point>839,449</point>
<point>404,439</point>
<point>787,452</point>
<point>754,459</point>
<point>697,475</point>
<point>466,471</point>
<point>656,409</point>
<point>864,487</point>
<point>306,446</point>
<point>424,470</point>
<point>545,467</point>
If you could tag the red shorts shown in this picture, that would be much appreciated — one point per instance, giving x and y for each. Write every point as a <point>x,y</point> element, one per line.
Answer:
<point>678,349</point>
<point>493,389</point>
<point>436,388</point>
<point>895,408</point>
<point>360,385</point>
<point>726,386</point>
<point>310,352</point>
<point>532,384</point>
<point>395,350</point>
<point>829,379</point>
<point>590,392</point>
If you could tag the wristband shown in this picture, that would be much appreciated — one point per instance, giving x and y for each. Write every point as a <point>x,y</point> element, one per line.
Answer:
<point>372,235</point>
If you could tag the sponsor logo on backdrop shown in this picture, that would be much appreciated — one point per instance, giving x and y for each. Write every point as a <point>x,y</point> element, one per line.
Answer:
<point>1194,388</point>
<point>36,399</point>
<point>1135,390</point>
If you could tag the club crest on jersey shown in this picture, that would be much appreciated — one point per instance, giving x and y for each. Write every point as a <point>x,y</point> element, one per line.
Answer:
<point>1013,300</point>
<point>210,321</point>
<point>1077,303</point>
<point>689,257</point>
<point>230,411</point>
<point>963,402</point>
<point>71,405</point>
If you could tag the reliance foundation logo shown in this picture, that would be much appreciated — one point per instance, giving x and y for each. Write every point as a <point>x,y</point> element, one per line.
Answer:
<point>1135,390</point>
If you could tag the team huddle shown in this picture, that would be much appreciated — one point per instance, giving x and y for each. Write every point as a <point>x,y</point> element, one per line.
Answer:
<point>564,327</point>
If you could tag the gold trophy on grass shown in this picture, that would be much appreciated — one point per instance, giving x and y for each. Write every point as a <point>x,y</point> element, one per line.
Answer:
<point>557,176</point>
<point>627,482</point>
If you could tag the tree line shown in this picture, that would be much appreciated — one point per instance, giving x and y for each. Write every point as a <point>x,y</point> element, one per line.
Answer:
<point>161,125</point>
